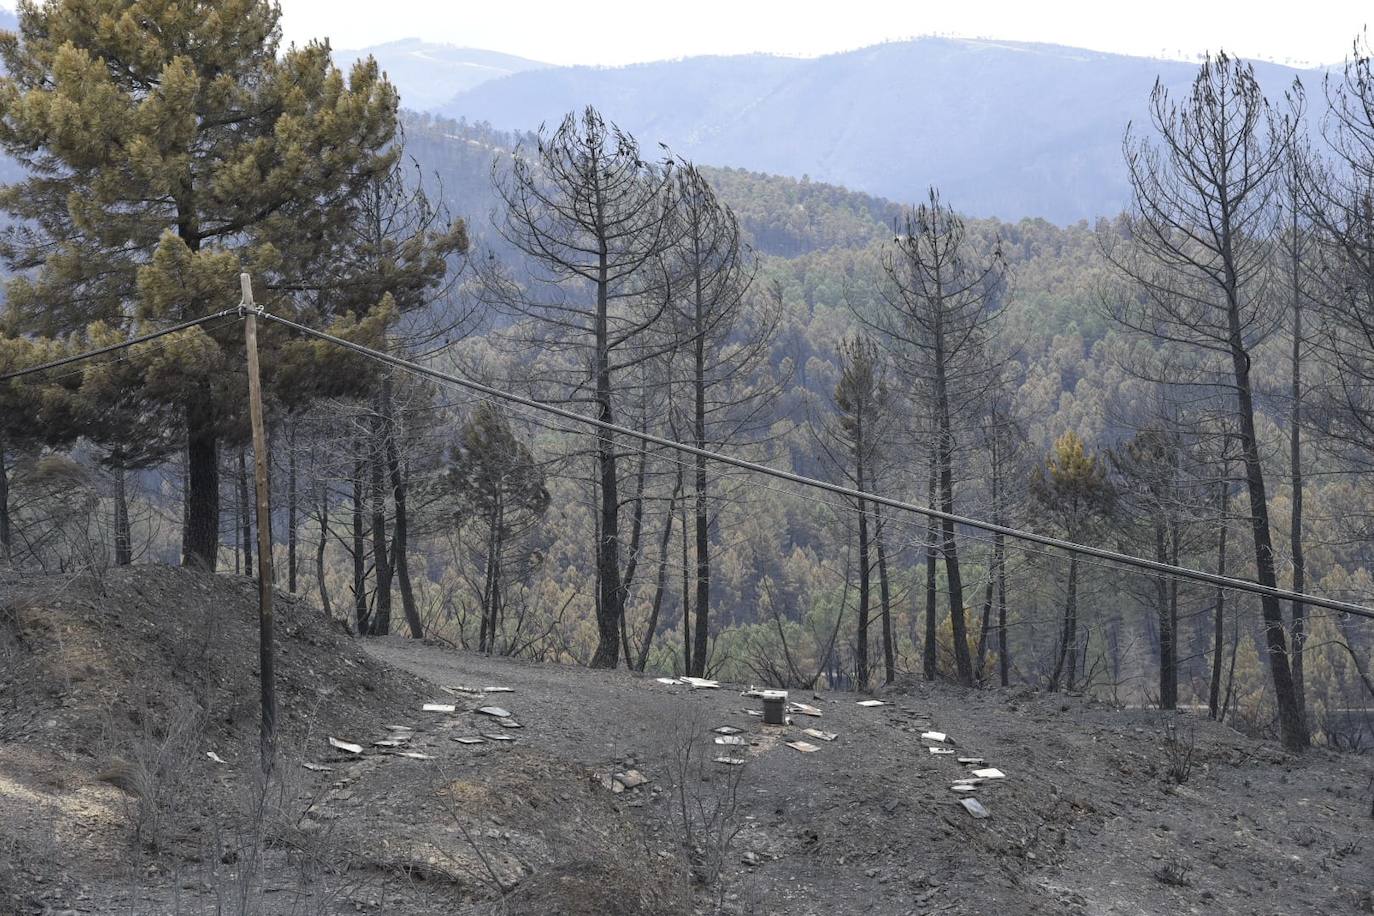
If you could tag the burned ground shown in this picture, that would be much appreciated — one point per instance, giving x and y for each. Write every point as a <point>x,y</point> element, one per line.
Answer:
<point>116,693</point>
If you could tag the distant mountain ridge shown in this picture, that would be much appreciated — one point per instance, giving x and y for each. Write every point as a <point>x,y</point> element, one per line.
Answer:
<point>1006,129</point>
<point>430,73</point>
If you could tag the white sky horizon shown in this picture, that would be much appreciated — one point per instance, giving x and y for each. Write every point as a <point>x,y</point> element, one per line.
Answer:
<point>619,32</point>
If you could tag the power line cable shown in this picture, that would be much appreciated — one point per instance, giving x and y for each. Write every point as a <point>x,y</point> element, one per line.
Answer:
<point>849,492</point>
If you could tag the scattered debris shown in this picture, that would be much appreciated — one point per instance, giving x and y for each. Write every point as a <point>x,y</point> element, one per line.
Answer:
<point>498,690</point>
<point>964,787</point>
<point>631,779</point>
<point>498,737</point>
<point>940,750</point>
<point>804,709</point>
<point>389,742</point>
<point>728,730</point>
<point>805,747</point>
<point>495,711</point>
<point>871,703</point>
<point>510,723</point>
<point>751,859</point>
<point>439,707</point>
<point>819,735</point>
<point>974,808</point>
<point>700,683</point>
<point>399,728</point>
<point>670,681</point>
<point>216,757</point>
<point>345,746</point>
<point>468,739</point>
<point>752,712</point>
<point>990,773</point>
<point>934,736</point>
<point>731,761</point>
<point>972,761</point>
<point>415,755</point>
<point>316,767</point>
<point>732,740</point>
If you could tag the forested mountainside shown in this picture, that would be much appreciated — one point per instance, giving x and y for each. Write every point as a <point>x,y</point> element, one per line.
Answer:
<point>1007,129</point>
<point>430,73</point>
<point>1068,380</point>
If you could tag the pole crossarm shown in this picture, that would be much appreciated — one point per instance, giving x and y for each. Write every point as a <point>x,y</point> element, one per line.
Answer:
<point>1099,553</point>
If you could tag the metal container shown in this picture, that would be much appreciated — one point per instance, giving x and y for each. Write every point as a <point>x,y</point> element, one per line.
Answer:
<point>774,706</point>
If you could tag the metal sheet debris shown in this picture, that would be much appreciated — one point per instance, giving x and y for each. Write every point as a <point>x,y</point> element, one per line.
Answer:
<point>215,757</point>
<point>469,739</point>
<point>990,773</point>
<point>415,755</point>
<point>731,761</point>
<point>670,681</point>
<point>439,707</point>
<point>510,723</point>
<point>388,742</point>
<point>964,787</point>
<point>316,767</point>
<point>752,712</point>
<point>972,761</point>
<point>496,711</point>
<point>934,736</point>
<point>805,747</point>
<point>819,735</point>
<point>940,750</point>
<point>345,746</point>
<point>728,730</point>
<point>804,709</point>
<point>498,690</point>
<point>732,740</point>
<point>700,683</point>
<point>498,737</point>
<point>871,703</point>
<point>399,728</point>
<point>974,808</point>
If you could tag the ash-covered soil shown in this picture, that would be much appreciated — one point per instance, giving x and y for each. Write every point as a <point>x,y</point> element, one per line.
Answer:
<point>114,696</point>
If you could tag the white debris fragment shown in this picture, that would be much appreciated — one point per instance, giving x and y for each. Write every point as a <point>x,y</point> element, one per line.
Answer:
<point>940,750</point>
<point>819,735</point>
<point>316,767</point>
<point>215,757</point>
<point>732,740</point>
<point>345,746</point>
<point>805,747</point>
<point>731,761</point>
<point>728,730</point>
<point>670,681</point>
<point>934,736</point>
<point>469,739</point>
<point>439,707</point>
<point>990,773</point>
<point>972,761</point>
<point>415,755</point>
<point>974,808</point>
<point>700,683</point>
<point>495,711</point>
<point>871,703</point>
<point>803,709</point>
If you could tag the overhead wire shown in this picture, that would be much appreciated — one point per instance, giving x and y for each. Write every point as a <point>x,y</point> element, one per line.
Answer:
<point>1098,553</point>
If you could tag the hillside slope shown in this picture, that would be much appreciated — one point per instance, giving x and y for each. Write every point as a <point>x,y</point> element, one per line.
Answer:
<point>98,681</point>
<point>1006,129</point>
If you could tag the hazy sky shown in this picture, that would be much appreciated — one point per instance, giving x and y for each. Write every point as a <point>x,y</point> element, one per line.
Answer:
<point>610,32</point>
<point>618,32</point>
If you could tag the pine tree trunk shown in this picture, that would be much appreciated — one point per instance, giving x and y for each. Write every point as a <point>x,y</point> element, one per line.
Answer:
<point>885,596</point>
<point>401,532</point>
<point>1219,615</point>
<point>1168,652</point>
<point>703,542</point>
<point>1299,612</point>
<point>1004,654</point>
<point>861,637</point>
<point>610,607</point>
<point>660,583</point>
<point>200,535</point>
<point>930,657</point>
<point>381,564</point>
<point>953,578</point>
<point>292,511</point>
<point>319,553</point>
<point>123,535</point>
<point>686,601</point>
<point>360,611</point>
<point>1068,639</point>
<point>6,532</point>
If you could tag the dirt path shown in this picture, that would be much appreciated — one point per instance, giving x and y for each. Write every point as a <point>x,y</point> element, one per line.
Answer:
<point>1086,820</point>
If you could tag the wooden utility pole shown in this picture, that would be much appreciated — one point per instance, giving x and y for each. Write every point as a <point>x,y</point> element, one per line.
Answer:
<point>267,676</point>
